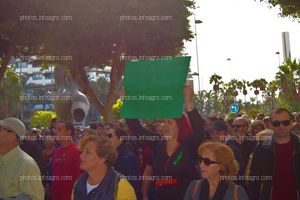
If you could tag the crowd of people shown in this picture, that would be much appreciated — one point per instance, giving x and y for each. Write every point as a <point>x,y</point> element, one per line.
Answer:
<point>188,158</point>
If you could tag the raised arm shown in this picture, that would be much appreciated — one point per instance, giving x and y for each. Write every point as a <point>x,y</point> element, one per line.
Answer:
<point>197,122</point>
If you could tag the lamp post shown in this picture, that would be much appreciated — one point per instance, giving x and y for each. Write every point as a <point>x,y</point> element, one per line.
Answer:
<point>5,96</point>
<point>197,22</point>
<point>230,69</point>
<point>278,54</point>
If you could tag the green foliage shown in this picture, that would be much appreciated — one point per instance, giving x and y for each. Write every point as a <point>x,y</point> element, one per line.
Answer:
<point>116,109</point>
<point>96,34</point>
<point>253,112</point>
<point>10,92</point>
<point>288,8</point>
<point>288,78</point>
<point>41,119</point>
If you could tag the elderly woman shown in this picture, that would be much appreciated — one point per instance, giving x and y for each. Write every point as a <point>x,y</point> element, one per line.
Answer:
<point>100,180</point>
<point>218,169</point>
<point>256,127</point>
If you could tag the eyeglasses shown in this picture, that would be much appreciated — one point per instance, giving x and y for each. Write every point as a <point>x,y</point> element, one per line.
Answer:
<point>206,161</point>
<point>238,126</point>
<point>284,123</point>
<point>109,135</point>
<point>6,129</point>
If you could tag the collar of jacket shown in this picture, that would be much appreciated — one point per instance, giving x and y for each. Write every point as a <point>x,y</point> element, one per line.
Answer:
<point>269,144</point>
<point>122,148</point>
<point>81,183</point>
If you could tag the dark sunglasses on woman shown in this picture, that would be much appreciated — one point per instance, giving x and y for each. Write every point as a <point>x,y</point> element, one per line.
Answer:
<point>206,161</point>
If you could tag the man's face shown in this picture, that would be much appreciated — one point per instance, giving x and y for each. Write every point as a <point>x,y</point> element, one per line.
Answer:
<point>218,136</point>
<point>281,124</point>
<point>60,130</point>
<point>7,136</point>
<point>113,138</point>
<point>240,126</point>
<point>106,129</point>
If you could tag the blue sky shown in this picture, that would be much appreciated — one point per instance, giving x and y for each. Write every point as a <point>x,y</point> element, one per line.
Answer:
<point>246,31</point>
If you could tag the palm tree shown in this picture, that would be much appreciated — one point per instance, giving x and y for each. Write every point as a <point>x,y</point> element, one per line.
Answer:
<point>242,85</point>
<point>217,80</point>
<point>259,85</point>
<point>289,79</point>
<point>233,84</point>
<point>271,89</point>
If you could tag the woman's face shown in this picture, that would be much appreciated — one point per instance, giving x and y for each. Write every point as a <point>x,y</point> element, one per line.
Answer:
<point>169,127</point>
<point>257,129</point>
<point>212,170</point>
<point>89,158</point>
<point>111,135</point>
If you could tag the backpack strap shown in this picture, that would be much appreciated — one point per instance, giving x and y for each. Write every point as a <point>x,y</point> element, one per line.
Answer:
<point>195,188</point>
<point>235,192</point>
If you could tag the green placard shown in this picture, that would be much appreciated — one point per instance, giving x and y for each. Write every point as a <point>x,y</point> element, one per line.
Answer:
<point>154,89</point>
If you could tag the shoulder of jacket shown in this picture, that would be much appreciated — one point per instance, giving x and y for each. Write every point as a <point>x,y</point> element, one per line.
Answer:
<point>125,191</point>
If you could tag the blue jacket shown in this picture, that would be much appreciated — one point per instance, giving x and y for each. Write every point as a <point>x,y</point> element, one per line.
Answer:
<point>127,164</point>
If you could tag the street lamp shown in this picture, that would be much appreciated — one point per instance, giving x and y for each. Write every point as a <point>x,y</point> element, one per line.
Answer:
<point>5,97</point>
<point>278,54</point>
<point>197,22</point>
<point>230,69</point>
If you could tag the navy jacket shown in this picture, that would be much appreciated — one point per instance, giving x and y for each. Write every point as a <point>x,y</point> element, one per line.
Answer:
<point>127,164</point>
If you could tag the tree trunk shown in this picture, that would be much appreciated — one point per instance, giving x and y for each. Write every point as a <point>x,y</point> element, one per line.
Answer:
<point>117,69</point>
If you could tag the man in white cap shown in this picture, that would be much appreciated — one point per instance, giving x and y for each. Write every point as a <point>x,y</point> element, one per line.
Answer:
<point>20,177</point>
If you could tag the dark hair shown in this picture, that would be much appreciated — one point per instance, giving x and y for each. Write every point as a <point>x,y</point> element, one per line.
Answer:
<point>93,126</point>
<point>109,124</point>
<point>281,110</point>
<point>220,126</point>
<point>119,132</point>
<point>53,120</point>
<point>213,118</point>
<point>99,125</point>
<point>68,125</point>
<point>120,124</point>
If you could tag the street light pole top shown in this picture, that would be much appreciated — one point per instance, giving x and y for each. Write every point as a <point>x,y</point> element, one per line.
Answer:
<point>198,21</point>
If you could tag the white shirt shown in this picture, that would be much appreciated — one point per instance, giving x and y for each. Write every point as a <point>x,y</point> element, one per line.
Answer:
<point>90,187</point>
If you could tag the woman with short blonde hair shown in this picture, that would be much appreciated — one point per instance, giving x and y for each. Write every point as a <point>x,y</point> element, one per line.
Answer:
<point>100,180</point>
<point>218,169</point>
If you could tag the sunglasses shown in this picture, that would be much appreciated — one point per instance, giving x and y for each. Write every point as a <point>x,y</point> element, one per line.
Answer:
<point>238,126</point>
<point>284,123</point>
<point>206,161</point>
<point>109,135</point>
<point>2,128</point>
